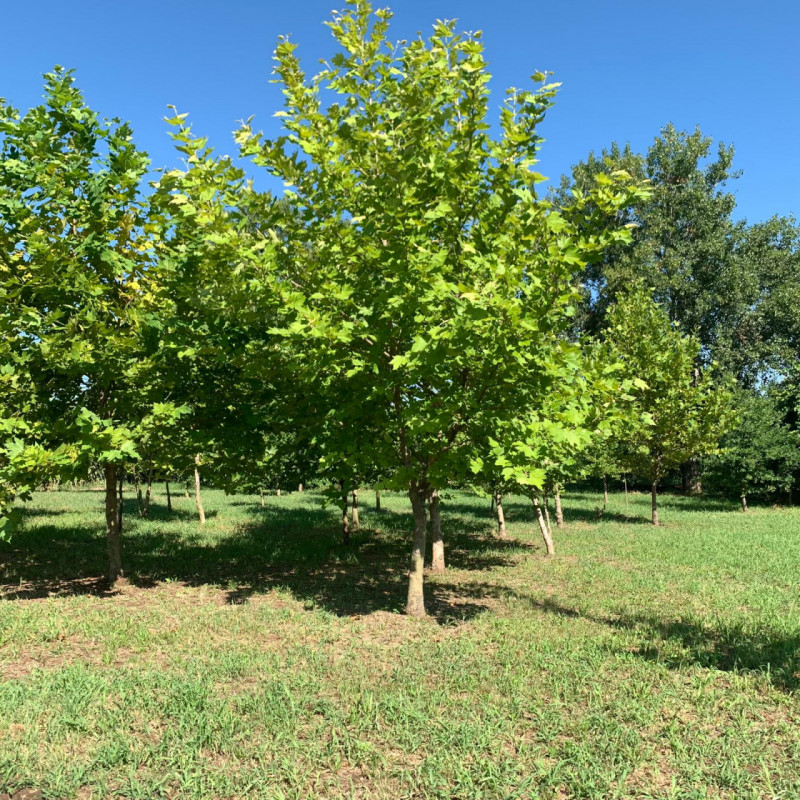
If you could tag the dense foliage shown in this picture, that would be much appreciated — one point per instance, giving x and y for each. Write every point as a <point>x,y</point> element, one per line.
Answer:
<point>412,313</point>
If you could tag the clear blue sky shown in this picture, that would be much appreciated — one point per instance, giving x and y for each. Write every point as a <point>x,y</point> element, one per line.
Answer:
<point>627,68</point>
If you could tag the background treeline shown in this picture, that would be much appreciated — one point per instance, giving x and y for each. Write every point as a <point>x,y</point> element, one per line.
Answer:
<point>411,314</point>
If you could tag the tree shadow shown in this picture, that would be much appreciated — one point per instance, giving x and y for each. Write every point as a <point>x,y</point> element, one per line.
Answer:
<point>683,502</point>
<point>598,515</point>
<point>730,647</point>
<point>297,548</point>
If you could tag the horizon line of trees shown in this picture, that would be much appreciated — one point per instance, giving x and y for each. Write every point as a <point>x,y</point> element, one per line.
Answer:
<point>411,314</point>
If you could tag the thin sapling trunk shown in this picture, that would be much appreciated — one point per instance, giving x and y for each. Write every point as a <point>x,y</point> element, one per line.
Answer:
<point>169,497</point>
<point>200,511</point>
<point>356,521</point>
<point>548,539</point>
<point>121,501</point>
<point>437,543</point>
<point>547,513</point>
<point>148,491</point>
<point>501,517</point>
<point>654,502</point>
<point>113,530</point>
<point>559,509</point>
<point>345,516</point>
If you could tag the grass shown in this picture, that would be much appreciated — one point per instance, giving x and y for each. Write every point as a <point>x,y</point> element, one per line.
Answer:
<point>259,658</point>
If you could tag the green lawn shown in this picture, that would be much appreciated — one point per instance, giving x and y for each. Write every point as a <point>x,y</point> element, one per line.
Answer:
<point>260,658</point>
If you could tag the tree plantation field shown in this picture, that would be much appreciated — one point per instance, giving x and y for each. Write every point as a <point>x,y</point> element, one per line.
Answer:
<point>258,656</point>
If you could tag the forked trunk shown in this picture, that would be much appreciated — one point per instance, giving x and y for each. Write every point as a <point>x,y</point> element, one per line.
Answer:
<point>200,511</point>
<point>559,509</point>
<point>169,497</point>
<point>744,502</point>
<point>113,530</point>
<point>548,539</point>
<point>356,522</point>
<point>654,501</point>
<point>415,605</point>
<point>437,557</point>
<point>378,501</point>
<point>605,492</point>
<point>501,517</point>
<point>345,517</point>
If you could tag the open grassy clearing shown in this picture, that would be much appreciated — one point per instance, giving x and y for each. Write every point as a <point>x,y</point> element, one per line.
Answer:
<point>258,657</point>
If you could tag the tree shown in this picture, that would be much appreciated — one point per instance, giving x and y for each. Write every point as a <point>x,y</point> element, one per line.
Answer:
<point>680,412</point>
<point>420,270</point>
<point>683,241</point>
<point>760,454</point>
<point>75,250</point>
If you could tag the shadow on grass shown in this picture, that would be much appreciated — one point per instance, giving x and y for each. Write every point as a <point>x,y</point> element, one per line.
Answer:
<point>517,510</point>
<point>297,548</point>
<point>678,643</point>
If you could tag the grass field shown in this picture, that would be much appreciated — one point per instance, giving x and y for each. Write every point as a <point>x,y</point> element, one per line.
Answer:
<point>259,658</point>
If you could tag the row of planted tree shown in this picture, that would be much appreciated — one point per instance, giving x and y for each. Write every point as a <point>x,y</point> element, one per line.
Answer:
<point>412,313</point>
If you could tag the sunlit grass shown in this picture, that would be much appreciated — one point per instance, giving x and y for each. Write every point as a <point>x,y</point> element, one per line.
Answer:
<point>259,657</point>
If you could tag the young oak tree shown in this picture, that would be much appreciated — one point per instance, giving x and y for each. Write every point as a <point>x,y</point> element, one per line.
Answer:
<point>681,413</point>
<point>424,273</point>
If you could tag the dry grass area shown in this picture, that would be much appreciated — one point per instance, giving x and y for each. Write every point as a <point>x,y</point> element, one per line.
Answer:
<point>259,658</point>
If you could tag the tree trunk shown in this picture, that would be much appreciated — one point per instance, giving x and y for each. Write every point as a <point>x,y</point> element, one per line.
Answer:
<point>278,493</point>
<point>548,539</point>
<point>625,482</point>
<point>547,513</point>
<point>690,477</point>
<point>605,492</point>
<point>744,503</point>
<point>415,605</point>
<point>169,497</point>
<point>654,501</point>
<point>139,499</point>
<point>559,509</point>
<point>200,512</point>
<point>121,501</point>
<point>437,543</point>
<point>345,518</point>
<point>501,517</point>
<point>300,488</point>
<point>356,521</point>
<point>261,497</point>
<point>148,491</point>
<point>113,529</point>
<point>493,503</point>
<point>378,501</point>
